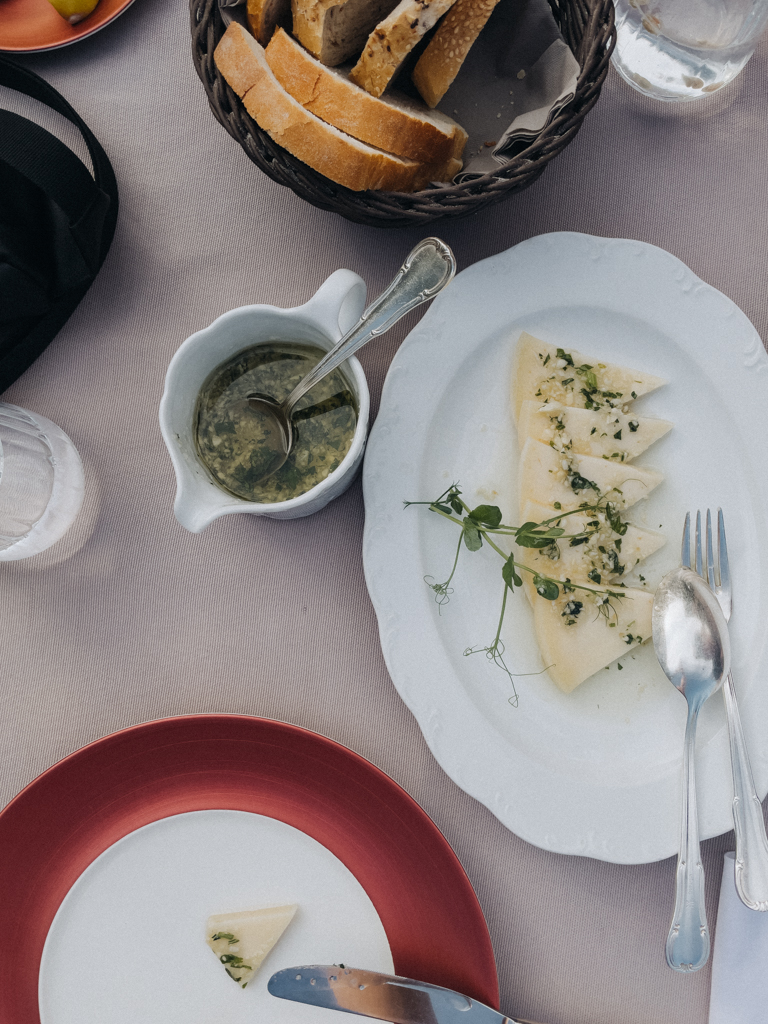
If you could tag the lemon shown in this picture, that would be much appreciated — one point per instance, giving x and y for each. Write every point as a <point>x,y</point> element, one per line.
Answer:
<point>74,10</point>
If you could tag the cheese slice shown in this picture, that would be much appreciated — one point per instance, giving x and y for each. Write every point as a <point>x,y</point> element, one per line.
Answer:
<point>575,646</point>
<point>547,477</point>
<point>538,374</point>
<point>604,432</point>
<point>619,556</point>
<point>242,940</point>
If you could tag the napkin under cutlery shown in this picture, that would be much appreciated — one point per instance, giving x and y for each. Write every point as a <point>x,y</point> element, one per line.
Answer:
<point>740,958</point>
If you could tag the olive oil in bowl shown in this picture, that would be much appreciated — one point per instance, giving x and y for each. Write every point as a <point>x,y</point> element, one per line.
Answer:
<point>230,436</point>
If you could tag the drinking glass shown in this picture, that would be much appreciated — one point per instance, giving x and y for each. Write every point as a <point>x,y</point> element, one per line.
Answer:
<point>41,483</point>
<point>685,49</point>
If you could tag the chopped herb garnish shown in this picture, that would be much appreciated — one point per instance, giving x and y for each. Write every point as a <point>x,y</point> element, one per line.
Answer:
<point>585,371</point>
<point>571,612</point>
<point>580,483</point>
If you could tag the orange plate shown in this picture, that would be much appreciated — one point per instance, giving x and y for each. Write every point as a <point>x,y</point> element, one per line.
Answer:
<point>62,821</point>
<point>30,25</point>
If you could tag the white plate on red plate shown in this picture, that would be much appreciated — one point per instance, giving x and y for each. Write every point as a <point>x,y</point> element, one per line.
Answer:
<point>113,859</point>
<point>127,944</point>
<point>595,772</point>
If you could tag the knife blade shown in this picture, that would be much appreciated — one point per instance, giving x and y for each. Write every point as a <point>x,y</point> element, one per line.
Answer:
<point>383,996</point>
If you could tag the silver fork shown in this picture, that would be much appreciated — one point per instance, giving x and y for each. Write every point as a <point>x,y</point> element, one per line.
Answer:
<point>751,841</point>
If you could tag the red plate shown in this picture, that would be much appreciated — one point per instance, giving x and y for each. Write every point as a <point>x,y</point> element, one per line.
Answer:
<point>63,820</point>
<point>27,26</point>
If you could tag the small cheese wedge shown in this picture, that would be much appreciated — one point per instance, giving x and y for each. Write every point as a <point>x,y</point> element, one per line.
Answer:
<point>547,477</point>
<point>241,941</point>
<point>539,373</point>
<point>576,640</point>
<point>605,432</point>
<point>618,557</point>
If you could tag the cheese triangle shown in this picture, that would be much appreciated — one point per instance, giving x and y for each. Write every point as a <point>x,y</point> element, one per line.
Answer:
<point>547,477</point>
<point>537,374</point>
<point>620,555</point>
<point>619,436</point>
<point>242,940</point>
<point>574,647</point>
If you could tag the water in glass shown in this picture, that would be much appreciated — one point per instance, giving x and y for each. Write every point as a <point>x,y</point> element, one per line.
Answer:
<point>685,49</point>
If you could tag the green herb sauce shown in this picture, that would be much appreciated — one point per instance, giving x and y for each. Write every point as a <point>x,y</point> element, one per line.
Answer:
<point>230,439</point>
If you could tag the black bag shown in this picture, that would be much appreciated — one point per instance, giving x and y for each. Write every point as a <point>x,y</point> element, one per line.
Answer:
<point>56,224</point>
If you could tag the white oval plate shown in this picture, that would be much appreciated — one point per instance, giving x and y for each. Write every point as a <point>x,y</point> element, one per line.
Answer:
<point>596,772</point>
<point>127,945</point>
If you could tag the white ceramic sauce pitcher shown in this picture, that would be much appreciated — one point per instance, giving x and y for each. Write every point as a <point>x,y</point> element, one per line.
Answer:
<point>330,313</point>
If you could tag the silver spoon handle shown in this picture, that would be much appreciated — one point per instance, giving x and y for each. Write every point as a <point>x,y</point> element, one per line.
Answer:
<point>751,842</point>
<point>426,271</point>
<point>688,940</point>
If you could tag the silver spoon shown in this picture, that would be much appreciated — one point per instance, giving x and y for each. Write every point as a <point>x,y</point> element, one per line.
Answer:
<point>427,270</point>
<point>690,637</point>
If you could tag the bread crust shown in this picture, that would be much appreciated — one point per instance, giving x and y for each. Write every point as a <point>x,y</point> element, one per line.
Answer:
<point>335,31</point>
<point>327,150</point>
<point>393,39</point>
<point>447,49</point>
<point>265,15</point>
<point>403,130</point>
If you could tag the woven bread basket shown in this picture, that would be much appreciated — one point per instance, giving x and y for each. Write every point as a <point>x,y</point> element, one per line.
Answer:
<point>586,25</point>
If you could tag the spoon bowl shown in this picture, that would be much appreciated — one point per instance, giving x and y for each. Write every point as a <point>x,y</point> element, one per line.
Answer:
<point>690,637</point>
<point>278,437</point>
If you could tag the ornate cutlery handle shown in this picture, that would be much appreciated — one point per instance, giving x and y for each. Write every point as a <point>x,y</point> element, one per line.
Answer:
<point>751,842</point>
<point>428,268</point>
<point>688,940</point>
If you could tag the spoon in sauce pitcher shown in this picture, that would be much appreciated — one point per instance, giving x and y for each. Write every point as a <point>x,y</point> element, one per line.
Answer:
<point>690,637</point>
<point>429,267</point>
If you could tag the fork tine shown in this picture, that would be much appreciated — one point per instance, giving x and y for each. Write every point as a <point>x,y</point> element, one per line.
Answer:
<point>710,555</point>
<point>725,572</point>
<point>699,561</point>
<point>686,549</point>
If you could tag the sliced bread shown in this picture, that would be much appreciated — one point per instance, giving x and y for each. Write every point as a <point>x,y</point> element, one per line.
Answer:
<point>447,49</point>
<point>265,15</point>
<point>341,158</point>
<point>396,124</point>
<point>393,39</point>
<point>336,30</point>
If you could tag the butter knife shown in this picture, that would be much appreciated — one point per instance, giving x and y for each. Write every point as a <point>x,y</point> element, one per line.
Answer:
<point>383,996</point>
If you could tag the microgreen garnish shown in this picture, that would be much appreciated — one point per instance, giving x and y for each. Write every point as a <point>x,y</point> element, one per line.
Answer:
<point>484,522</point>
